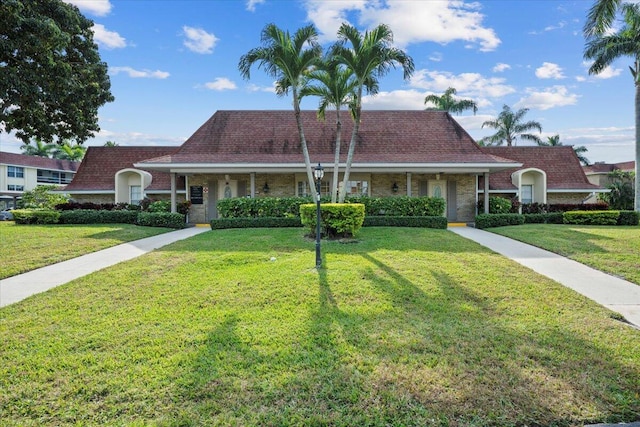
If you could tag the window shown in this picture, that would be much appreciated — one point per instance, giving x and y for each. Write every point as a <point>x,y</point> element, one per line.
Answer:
<point>526,194</point>
<point>135,194</point>
<point>303,188</point>
<point>359,188</point>
<point>15,172</point>
<point>11,187</point>
<point>53,177</point>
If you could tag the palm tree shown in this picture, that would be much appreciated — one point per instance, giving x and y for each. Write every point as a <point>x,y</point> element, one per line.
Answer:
<point>447,102</point>
<point>66,151</point>
<point>369,56</point>
<point>336,87</point>
<point>554,141</point>
<point>110,144</point>
<point>39,149</point>
<point>288,59</point>
<point>604,47</point>
<point>510,127</point>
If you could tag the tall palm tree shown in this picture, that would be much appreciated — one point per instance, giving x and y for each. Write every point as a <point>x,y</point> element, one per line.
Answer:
<point>447,102</point>
<point>604,47</point>
<point>554,141</point>
<point>39,148</point>
<point>335,85</point>
<point>288,59</point>
<point>66,151</point>
<point>370,56</point>
<point>510,127</point>
<point>110,144</point>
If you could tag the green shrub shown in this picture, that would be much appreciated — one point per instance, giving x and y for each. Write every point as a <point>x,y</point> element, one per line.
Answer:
<point>439,222</point>
<point>35,216</point>
<point>161,219</point>
<point>266,222</point>
<point>89,216</point>
<point>629,218</point>
<point>498,220</point>
<point>497,205</point>
<point>159,206</point>
<point>41,197</point>
<point>262,207</point>
<point>591,217</point>
<point>337,219</point>
<point>543,218</point>
<point>400,205</point>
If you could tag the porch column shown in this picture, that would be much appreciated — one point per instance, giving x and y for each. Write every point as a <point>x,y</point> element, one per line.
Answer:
<point>409,184</point>
<point>486,192</point>
<point>253,184</point>
<point>173,193</point>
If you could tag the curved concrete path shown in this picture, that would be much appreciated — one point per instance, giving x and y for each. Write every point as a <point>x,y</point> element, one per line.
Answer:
<point>17,288</point>
<point>612,292</point>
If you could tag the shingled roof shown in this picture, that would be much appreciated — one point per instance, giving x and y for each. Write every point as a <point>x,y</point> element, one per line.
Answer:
<point>271,137</point>
<point>560,164</point>
<point>23,160</point>
<point>609,167</point>
<point>100,165</point>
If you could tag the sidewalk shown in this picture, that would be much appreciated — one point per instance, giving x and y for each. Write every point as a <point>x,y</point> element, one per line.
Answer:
<point>616,294</point>
<point>17,288</point>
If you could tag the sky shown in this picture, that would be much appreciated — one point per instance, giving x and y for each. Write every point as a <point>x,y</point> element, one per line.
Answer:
<point>173,64</point>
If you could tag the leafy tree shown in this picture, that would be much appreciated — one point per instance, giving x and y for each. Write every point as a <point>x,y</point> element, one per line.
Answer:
<point>606,44</point>
<point>335,85</point>
<point>110,144</point>
<point>621,194</point>
<point>67,151</point>
<point>447,102</point>
<point>39,148</point>
<point>52,80</point>
<point>510,127</point>
<point>554,141</point>
<point>370,56</point>
<point>288,59</point>
<point>41,197</point>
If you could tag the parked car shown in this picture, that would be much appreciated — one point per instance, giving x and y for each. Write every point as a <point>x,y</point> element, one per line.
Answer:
<point>6,215</point>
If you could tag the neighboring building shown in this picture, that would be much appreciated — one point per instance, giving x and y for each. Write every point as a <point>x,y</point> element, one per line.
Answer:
<point>20,173</point>
<point>598,173</point>
<point>258,154</point>
<point>550,175</point>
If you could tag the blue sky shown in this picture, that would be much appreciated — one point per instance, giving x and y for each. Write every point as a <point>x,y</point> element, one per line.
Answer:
<point>174,63</point>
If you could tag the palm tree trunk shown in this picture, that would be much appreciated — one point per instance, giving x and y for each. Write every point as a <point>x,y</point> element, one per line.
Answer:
<point>336,159</point>
<point>637,179</point>
<point>352,146</point>
<point>303,142</point>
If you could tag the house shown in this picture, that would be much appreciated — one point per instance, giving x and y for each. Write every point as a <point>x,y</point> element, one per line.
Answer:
<point>258,154</point>
<point>598,173</point>
<point>20,173</point>
<point>548,175</point>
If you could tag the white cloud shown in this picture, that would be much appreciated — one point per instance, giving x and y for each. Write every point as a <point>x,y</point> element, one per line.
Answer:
<point>395,100</point>
<point>220,84</point>
<point>555,96</point>
<point>198,40</point>
<point>139,73</point>
<point>435,57</point>
<point>607,73</point>
<point>549,70</point>
<point>500,67</point>
<point>93,7</point>
<point>411,21</point>
<point>251,87</point>
<point>106,38</point>
<point>251,4</point>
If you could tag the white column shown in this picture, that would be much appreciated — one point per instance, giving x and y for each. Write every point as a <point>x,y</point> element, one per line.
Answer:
<point>486,192</point>
<point>253,185</point>
<point>173,193</point>
<point>409,184</point>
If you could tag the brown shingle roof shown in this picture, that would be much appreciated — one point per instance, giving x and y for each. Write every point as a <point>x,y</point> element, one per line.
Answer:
<point>384,137</point>
<point>38,162</point>
<point>100,164</point>
<point>609,167</point>
<point>560,164</point>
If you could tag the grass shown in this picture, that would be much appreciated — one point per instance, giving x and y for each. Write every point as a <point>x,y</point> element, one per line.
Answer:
<point>27,247</point>
<point>406,327</point>
<point>614,250</point>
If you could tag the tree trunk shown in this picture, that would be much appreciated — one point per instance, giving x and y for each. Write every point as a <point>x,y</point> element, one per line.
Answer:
<point>637,107</point>
<point>336,159</point>
<point>352,145</point>
<point>303,142</point>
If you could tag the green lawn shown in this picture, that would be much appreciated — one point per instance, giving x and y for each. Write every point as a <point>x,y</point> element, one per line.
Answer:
<point>614,250</point>
<point>405,327</point>
<point>27,247</point>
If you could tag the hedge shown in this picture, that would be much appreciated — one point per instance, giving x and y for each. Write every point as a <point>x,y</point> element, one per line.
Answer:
<point>591,217</point>
<point>89,216</point>
<point>161,219</point>
<point>439,222</point>
<point>543,218</point>
<point>337,219</point>
<point>498,220</point>
<point>263,222</point>
<point>35,216</point>
<point>400,205</point>
<point>629,218</point>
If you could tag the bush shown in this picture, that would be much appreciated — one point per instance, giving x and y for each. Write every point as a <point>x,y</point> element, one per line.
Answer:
<point>41,197</point>
<point>161,219</point>
<point>543,218</point>
<point>566,207</point>
<point>159,206</point>
<point>262,207</point>
<point>400,205</point>
<point>337,219</point>
<point>35,216</point>
<point>439,222</point>
<point>591,217</point>
<point>498,220</point>
<point>629,218</point>
<point>266,222</point>
<point>88,216</point>
<point>497,205</point>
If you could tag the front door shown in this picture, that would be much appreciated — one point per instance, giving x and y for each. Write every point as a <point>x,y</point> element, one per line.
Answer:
<point>438,188</point>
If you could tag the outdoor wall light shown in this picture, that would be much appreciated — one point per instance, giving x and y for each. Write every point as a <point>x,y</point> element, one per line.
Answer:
<point>265,189</point>
<point>394,187</point>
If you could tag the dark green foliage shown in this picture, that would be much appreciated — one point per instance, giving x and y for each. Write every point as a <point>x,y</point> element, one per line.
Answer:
<point>161,219</point>
<point>498,220</point>
<point>629,218</point>
<point>41,197</point>
<point>438,222</point>
<point>266,222</point>
<point>543,218</point>
<point>591,217</point>
<point>51,71</point>
<point>337,219</point>
<point>497,205</point>
<point>269,207</point>
<point>35,216</point>
<point>401,205</point>
<point>89,216</point>
<point>159,206</point>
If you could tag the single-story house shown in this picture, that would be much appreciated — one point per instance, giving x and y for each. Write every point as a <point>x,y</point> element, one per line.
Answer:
<point>598,173</point>
<point>258,154</point>
<point>20,173</point>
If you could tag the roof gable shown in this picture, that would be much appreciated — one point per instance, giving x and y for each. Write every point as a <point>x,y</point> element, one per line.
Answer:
<point>38,162</point>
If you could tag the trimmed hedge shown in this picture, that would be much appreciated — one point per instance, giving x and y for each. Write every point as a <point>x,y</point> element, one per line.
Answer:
<point>337,219</point>
<point>35,216</point>
<point>89,216</point>
<point>263,222</point>
<point>543,218</point>
<point>498,220</point>
<point>161,219</point>
<point>400,205</point>
<point>629,218</point>
<point>591,217</point>
<point>261,207</point>
<point>439,222</point>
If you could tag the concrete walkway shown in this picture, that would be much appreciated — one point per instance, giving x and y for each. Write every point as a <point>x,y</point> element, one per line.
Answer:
<point>17,288</point>
<point>614,293</point>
